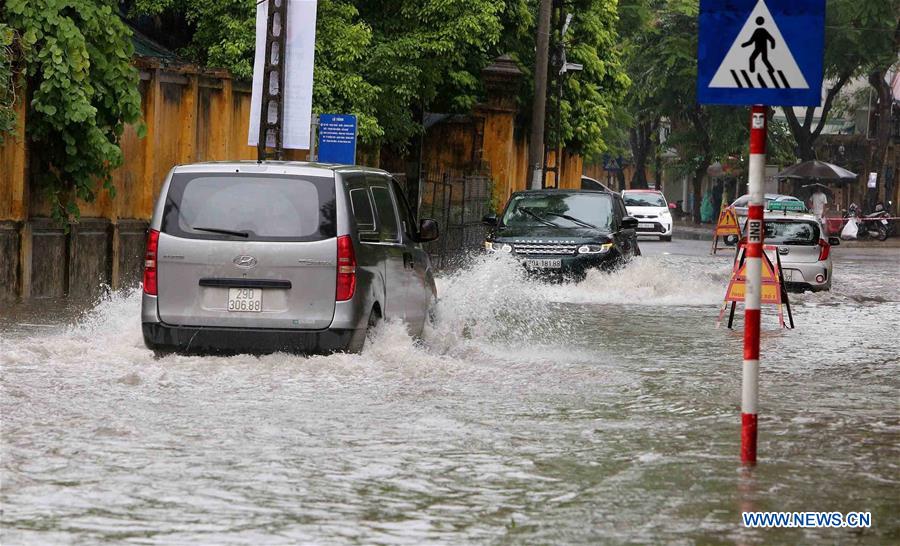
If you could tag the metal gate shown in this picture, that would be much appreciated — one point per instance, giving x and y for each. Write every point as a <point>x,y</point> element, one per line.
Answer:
<point>458,204</point>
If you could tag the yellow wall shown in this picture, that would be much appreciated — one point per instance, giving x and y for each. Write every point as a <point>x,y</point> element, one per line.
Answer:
<point>13,198</point>
<point>191,115</point>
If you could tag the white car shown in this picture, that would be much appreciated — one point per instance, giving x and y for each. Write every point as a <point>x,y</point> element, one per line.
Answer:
<point>652,212</point>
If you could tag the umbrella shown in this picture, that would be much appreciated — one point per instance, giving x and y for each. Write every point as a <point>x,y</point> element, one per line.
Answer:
<point>816,170</point>
<point>817,185</point>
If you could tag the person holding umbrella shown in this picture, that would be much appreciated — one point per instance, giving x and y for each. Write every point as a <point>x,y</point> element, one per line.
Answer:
<point>818,201</point>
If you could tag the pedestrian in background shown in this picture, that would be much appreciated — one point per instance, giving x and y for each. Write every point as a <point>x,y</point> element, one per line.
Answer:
<point>818,201</point>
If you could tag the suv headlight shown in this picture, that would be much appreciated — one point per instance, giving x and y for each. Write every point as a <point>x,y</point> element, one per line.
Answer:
<point>498,247</point>
<point>595,249</point>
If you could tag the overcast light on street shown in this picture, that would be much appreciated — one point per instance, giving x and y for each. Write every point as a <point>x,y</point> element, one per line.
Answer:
<point>405,272</point>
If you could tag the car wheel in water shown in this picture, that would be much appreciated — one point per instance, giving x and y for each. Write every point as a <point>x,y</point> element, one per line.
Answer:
<point>665,238</point>
<point>358,343</point>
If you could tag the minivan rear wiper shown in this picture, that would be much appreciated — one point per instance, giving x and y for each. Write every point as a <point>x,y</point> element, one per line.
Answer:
<point>233,233</point>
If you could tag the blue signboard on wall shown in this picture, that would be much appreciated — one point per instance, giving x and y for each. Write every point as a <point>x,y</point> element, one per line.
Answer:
<point>337,139</point>
<point>766,52</point>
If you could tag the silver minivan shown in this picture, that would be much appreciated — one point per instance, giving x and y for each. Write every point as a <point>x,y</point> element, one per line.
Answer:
<point>282,256</point>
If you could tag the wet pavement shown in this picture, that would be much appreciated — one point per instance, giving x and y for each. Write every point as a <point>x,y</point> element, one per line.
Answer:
<point>604,412</point>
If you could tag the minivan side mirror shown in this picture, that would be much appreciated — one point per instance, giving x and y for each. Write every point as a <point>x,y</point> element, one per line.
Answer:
<point>428,230</point>
<point>629,222</point>
<point>834,241</point>
<point>490,220</point>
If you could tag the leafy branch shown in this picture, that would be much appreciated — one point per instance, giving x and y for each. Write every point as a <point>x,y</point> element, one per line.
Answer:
<point>83,91</point>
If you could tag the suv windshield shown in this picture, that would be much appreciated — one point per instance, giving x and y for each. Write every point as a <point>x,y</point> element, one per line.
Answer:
<point>644,200</point>
<point>798,232</point>
<point>250,207</point>
<point>565,210</point>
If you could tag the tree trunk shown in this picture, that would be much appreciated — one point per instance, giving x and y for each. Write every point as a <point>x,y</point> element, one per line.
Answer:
<point>620,177</point>
<point>697,187</point>
<point>641,140</point>
<point>806,132</point>
<point>878,147</point>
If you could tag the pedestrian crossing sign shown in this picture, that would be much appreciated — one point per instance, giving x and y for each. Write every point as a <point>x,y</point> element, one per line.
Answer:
<point>767,52</point>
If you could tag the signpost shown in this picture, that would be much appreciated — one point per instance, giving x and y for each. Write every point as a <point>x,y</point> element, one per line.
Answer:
<point>337,139</point>
<point>753,52</point>
<point>281,104</point>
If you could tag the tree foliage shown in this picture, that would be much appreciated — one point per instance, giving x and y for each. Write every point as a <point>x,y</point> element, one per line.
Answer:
<point>82,89</point>
<point>389,61</point>
<point>7,80</point>
<point>661,56</point>
<point>859,40</point>
<point>590,97</point>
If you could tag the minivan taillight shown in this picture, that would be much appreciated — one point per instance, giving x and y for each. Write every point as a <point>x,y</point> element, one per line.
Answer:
<point>150,263</point>
<point>346,268</point>
<point>824,250</point>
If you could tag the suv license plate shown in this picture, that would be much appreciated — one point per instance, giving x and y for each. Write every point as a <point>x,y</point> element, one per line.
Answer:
<point>245,300</point>
<point>647,226</point>
<point>543,264</point>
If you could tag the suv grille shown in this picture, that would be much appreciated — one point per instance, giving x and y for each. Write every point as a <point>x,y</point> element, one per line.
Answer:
<point>545,249</point>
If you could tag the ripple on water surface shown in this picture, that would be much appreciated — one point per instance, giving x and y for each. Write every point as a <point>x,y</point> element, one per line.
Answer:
<point>533,413</point>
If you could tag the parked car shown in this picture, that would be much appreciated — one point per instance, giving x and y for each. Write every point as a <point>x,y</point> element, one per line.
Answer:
<point>742,205</point>
<point>564,233</point>
<point>653,213</point>
<point>281,256</point>
<point>804,248</point>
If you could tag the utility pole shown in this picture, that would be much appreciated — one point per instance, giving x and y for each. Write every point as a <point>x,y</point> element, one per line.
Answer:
<point>271,110</point>
<point>539,107</point>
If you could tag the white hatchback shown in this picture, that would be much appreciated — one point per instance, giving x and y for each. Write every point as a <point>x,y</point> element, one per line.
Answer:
<point>652,212</point>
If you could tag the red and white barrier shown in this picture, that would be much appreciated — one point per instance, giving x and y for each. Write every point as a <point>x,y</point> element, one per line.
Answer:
<point>755,235</point>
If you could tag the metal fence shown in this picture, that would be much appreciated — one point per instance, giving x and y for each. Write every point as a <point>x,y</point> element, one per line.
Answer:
<point>458,204</point>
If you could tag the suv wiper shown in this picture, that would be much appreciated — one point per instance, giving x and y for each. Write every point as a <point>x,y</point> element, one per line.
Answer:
<point>233,233</point>
<point>538,218</point>
<point>572,219</point>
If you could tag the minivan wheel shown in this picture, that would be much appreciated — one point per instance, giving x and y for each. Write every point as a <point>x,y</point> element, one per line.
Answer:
<point>160,354</point>
<point>358,343</point>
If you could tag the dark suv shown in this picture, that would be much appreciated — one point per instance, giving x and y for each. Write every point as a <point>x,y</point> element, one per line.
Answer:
<point>563,233</point>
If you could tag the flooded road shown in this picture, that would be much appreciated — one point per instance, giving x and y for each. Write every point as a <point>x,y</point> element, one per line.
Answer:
<point>604,412</point>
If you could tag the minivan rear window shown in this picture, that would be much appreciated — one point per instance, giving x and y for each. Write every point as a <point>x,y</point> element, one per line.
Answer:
<point>250,207</point>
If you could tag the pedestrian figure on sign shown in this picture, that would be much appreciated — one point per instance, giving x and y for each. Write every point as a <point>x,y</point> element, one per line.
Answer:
<point>760,42</point>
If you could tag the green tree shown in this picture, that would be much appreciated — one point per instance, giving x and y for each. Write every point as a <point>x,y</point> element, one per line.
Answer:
<point>638,116</point>
<point>425,52</point>
<point>859,42</point>
<point>83,91</point>
<point>700,134</point>
<point>589,97</point>
<point>389,61</point>
<point>7,79</point>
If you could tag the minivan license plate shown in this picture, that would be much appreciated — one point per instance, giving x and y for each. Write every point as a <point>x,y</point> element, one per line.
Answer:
<point>543,264</point>
<point>244,300</point>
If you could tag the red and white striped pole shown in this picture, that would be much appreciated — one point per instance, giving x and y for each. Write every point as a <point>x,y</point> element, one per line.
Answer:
<point>755,235</point>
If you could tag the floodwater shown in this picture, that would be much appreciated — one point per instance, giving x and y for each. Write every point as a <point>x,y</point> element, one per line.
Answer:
<point>604,412</point>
